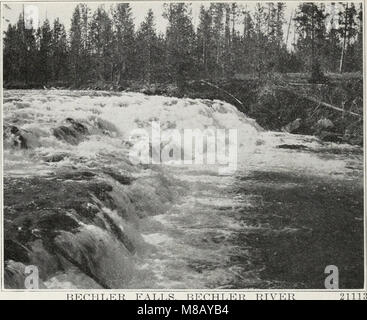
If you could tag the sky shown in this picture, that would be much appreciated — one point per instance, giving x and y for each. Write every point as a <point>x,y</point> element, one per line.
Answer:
<point>64,10</point>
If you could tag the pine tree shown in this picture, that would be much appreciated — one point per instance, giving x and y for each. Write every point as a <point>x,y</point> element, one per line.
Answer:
<point>146,44</point>
<point>359,40</point>
<point>279,23</point>
<point>101,44</point>
<point>45,53</point>
<point>76,46</point>
<point>180,38</point>
<point>80,51</point>
<point>245,59</point>
<point>331,50</point>
<point>104,46</point>
<point>227,68</point>
<point>205,42</point>
<point>260,50</point>
<point>348,30</point>
<point>59,47</point>
<point>311,30</point>
<point>11,55</point>
<point>217,12</point>
<point>124,43</point>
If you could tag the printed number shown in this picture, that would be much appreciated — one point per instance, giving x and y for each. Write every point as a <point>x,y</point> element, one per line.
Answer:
<point>353,296</point>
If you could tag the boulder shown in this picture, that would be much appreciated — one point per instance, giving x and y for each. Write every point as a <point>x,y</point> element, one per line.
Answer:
<point>57,157</point>
<point>325,130</point>
<point>292,146</point>
<point>72,132</point>
<point>324,123</point>
<point>15,136</point>
<point>330,136</point>
<point>293,126</point>
<point>121,178</point>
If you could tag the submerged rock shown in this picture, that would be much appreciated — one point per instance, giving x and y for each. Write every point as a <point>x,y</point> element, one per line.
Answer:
<point>123,179</point>
<point>76,175</point>
<point>292,146</point>
<point>74,219</point>
<point>15,136</point>
<point>101,126</point>
<point>77,126</point>
<point>57,157</point>
<point>330,136</point>
<point>73,132</point>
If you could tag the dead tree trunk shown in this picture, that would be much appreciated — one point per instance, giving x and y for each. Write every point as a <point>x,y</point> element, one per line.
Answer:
<point>342,57</point>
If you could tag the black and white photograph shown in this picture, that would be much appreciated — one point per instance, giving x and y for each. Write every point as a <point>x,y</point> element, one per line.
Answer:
<point>197,145</point>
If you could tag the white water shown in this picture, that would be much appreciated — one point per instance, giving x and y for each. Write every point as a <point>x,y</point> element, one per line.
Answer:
<point>187,243</point>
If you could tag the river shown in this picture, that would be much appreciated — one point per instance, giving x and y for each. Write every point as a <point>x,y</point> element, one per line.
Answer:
<point>77,207</point>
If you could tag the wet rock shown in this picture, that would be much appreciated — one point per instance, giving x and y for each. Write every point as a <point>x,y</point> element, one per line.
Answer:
<point>120,235</point>
<point>15,136</point>
<point>147,198</point>
<point>324,123</point>
<point>353,139</point>
<point>76,219</point>
<point>292,146</point>
<point>50,222</point>
<point>324,129</point>
<point>103,126</point>
<point>15,251</point>
<point>149,89</point>
<point>9,100</point>
<point>67,134</point>
<point>293,127</point>
<point>41,206</point>
<point>22,105</point>
<point>73,132</point>
<point>330,136</point>
<point>123,179</point>
<point>76,175</point>
<point>98,254</point>
<point>57,157</point>
<point>77,126</point>
<point>54,210</point>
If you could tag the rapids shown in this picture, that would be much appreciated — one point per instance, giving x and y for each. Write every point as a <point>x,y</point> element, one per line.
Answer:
<point>79,209</point>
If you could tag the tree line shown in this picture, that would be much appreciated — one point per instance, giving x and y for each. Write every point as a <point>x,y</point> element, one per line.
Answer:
<point>229,39</point>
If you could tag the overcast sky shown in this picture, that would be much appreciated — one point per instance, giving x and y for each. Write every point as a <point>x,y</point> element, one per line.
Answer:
<point>64,10</point>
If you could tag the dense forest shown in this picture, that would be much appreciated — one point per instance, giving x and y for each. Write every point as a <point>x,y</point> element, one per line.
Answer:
<point>229,40</point>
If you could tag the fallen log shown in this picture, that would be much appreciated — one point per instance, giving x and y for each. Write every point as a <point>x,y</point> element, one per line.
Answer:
<point>225,91</point>
<point>321,103</point>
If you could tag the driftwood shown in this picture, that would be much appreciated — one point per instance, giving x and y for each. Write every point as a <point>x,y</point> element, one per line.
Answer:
<point>333,107</point>
<point>321,103</point>
<point>305,84</point>
<point>225,91</point>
